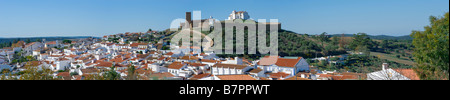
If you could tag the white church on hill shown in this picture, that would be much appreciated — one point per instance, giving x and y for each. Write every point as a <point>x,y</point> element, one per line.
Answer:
<point>239,15</point>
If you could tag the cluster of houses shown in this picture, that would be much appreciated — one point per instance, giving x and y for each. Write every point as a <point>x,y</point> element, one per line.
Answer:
<point>81,57</point>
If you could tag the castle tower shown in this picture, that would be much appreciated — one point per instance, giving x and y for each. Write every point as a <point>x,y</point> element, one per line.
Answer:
<point>189,18</point>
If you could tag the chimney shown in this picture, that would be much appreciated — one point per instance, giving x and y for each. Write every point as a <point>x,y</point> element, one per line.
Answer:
<point>385,66</point>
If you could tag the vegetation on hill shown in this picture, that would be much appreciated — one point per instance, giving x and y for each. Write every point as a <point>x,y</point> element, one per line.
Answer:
<point>431,49</point>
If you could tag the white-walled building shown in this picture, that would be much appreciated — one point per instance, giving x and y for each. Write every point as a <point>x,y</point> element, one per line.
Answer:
<point>277,64</point>
<point>393,74</point>
<point>236,60</point>
<point>179,69</point>
<point>229,69</point>
<point>238,15</point>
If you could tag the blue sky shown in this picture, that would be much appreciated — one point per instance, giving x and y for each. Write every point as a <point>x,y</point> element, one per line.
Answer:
<point>34,18</point>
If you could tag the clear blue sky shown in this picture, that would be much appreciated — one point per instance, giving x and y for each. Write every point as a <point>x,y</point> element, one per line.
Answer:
<point>34,18</point>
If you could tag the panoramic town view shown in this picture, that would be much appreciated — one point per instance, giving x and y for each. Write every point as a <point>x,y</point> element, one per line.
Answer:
<point>146,40</point>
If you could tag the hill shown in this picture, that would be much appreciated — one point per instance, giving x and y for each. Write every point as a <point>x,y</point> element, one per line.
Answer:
<point>7,40</point>
<point>380,37</point>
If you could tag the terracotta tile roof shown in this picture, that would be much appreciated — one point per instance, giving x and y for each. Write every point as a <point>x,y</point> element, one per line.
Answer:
<point>199,76</point>
<point>210,61</point>
<point>278,75</point>
<point>137,44</point>
<point>62,59</point>
<point>298,78</point>
<point>235,77</point>
<point>104,64</point>
<point>176,65</point>
<point>262,78</point>
<point>170,53</point>
<point>230,66</point>
<point>324,75</point>
<point>409,73</point>
<point>118,60</point>
<point>78,77</point>
<point>284,62</point>
<point>161,58</point>
<point>52,42</point>
<point>189,58</point>
<point>63,74</point>
<point>89,70</point>
<point>29,44</point>
<point>255,70</point>
<point>142,55</point>
<point>268,60</point>
<point>344,77</point>
<point>246,61</point>
<point>287,62</point>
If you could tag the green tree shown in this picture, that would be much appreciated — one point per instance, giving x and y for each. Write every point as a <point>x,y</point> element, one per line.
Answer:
<point>111,74</point>
<point>28,41</point>
<point>385,44</point>
<point>361,42</point>
<point>335,41</point>
<point>324,38</point>
<point>67,41</point>
<point>131,73</point>
<point>36,73</point>
<point>431,49</point>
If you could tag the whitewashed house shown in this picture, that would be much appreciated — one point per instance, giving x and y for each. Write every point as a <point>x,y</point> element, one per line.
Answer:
<point>179,69</point>
<point>277,64</point>
<point>393,74</point>
<point>159,68</point>
<point>229,69</point>
<point>236,60</point>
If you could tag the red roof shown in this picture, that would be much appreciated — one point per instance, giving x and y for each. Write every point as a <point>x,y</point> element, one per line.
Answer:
<point>170,53</point>
<point>52,42</point>
<point>137,44</point>
<point>176,65</point>
<point>284,62</point>
<point>199,76</point>
<point>210,61</point>
<point>63,74</point>
<point>287,62</point>
<point>409,73</point>
<point>279,75</point>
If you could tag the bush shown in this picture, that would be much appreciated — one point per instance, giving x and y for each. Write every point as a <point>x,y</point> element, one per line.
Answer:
<point>73,73</point>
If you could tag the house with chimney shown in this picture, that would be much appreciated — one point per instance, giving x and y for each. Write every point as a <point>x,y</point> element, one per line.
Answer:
<point>387,73</point>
